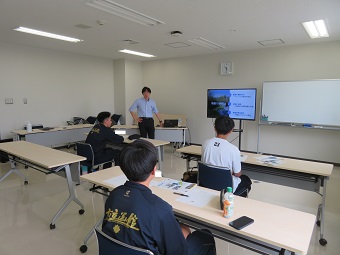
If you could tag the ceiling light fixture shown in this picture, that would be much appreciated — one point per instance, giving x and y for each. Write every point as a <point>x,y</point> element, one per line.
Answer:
<point>46,34</point>
<point>316,28</point>
<point>124,12</point>
<point>137,53</point>
<point>205,43</point>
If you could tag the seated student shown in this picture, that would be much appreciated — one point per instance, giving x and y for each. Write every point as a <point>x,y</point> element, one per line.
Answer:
<point>136,216</point>
<point>218,151</point>
<point>99,136</point>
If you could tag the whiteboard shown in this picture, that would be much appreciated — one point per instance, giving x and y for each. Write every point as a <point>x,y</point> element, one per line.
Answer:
<point>306,102</point>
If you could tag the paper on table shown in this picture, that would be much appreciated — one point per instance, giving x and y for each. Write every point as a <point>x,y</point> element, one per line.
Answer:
<point>197,197</point>
<point>117,181</point>
<point>243,158</point>
<point>176,186</point>
<point>270,160</point>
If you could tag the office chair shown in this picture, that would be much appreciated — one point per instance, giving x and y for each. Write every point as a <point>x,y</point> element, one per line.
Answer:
<point>91,119</point>
<point>216,178</point>
<point>115,118</point>
<point>85,150</point>
<point>110,246</point>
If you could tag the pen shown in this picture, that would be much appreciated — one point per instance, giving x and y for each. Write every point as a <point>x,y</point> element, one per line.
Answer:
<point>184,195</point>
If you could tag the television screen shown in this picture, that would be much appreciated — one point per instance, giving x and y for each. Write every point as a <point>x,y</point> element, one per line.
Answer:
<point>236,103</point>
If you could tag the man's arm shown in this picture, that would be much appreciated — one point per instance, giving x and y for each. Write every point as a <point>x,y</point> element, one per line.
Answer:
<point>159,118</point>
<point>238,174</point>
<point>135,117</point>
<point>112,137</point>
<point>173,239</point>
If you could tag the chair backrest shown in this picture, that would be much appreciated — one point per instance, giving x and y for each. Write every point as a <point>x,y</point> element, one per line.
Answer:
<point>85,150</point>
<point>110,246</point>
<point>214,177</point>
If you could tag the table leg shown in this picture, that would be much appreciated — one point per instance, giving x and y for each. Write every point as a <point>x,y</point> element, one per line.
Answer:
<point>322,240</point>
<point>71,198</point>
<point>183,138</point>
<point>160,150</point>
<point>14,170</point>
<point>83,248</point>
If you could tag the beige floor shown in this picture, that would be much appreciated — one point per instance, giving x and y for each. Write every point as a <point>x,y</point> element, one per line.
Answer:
<point>26,212</point>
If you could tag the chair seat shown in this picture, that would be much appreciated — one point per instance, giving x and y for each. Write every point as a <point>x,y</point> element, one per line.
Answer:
<point>85,150</point>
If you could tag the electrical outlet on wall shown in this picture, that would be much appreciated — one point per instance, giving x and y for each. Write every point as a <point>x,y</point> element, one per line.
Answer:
<point>8,100</point>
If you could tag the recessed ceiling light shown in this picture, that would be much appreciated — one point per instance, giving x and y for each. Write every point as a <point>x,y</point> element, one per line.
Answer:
<point>47,34</point>
<point>177,45</point>
<point>124,12</point>
<point>205,43</point>
<point>316,28</point>
<point>271,42</point>
<point>137,53</point>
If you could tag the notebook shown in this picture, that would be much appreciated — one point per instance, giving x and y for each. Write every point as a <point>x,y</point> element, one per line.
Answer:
<point>171,123</point>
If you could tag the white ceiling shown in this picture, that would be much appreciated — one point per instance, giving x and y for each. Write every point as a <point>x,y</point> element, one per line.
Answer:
<point>214,20</point>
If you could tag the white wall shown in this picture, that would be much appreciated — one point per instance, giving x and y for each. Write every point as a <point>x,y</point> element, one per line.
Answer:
<point>119,88</point>
<point>133,85</point>
<point>57,85</point>
<point>180,87</point>
<point>61,85</point>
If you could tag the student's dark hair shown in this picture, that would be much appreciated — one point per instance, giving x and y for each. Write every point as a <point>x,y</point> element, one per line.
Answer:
<point>223,125</point>
<point>102,116</point>
<point>146,89</point>
<point>138,159</point>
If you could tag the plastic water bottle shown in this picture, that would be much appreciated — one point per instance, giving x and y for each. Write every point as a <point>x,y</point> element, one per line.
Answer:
<point>28,126</point>
<point>228,204</point>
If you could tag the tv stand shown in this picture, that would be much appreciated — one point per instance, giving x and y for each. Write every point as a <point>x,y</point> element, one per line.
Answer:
<point>239,131</point>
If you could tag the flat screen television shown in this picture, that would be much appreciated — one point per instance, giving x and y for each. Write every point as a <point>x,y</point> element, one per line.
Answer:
<point>239,104</point>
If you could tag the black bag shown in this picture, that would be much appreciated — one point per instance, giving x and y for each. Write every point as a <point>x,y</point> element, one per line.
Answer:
<point>190,176</point>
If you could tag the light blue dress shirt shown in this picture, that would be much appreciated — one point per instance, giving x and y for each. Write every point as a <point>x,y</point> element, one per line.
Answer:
<point>145,108</point>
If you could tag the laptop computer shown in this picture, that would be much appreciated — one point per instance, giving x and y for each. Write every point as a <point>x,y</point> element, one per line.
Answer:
<point>171,123</point>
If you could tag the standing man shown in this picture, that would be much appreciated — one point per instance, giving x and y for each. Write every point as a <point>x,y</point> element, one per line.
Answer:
<point>145,108</point>
<point>218,151</point>
<point>137,217</point>
<point>99,136</point>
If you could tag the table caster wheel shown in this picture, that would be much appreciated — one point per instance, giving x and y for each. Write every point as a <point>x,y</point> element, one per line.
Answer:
<point>83,248</point>
<point>25,182</point>
<point>318,223</point>
<point>323,241</point>
<point>52,226</point>
<point>81,211</point>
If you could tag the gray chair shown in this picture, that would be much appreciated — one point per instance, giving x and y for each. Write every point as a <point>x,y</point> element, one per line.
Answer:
<point>85,150</point>
<point>216,178</point>
<point>109,246</point>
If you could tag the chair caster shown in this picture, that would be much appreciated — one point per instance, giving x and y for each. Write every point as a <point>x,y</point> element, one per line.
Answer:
<point>323,241</point>
<point>81,211</point>
<point>318,223</point>
<point>52,226</point>
<point>25,182</point>
<point>83,248</point>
